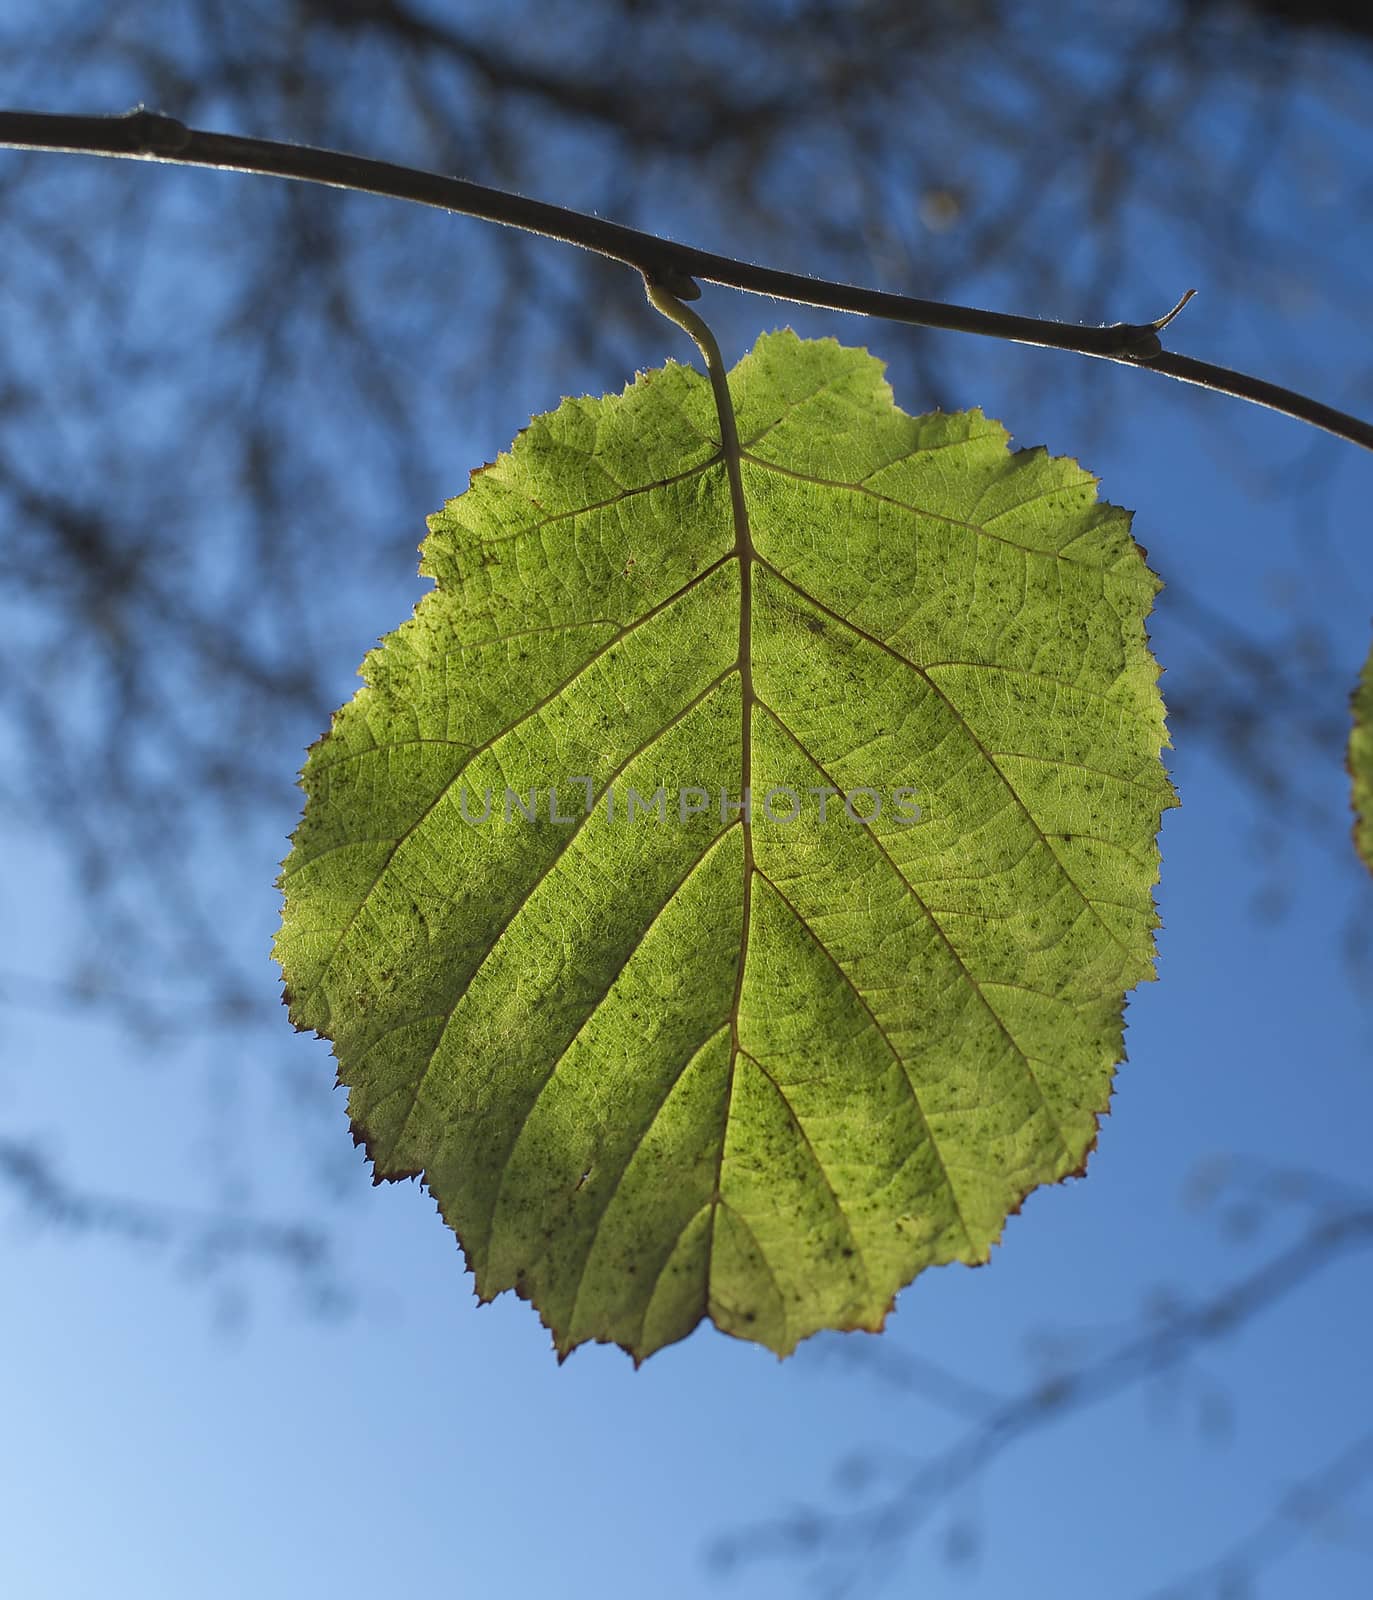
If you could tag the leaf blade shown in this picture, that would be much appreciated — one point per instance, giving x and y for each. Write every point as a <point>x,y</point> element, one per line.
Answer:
<point>1360,762</point>
<point>722,1064</point>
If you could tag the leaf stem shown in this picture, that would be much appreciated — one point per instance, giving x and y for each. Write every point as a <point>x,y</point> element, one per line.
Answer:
<point>146,135</point>
<point>664,300</point>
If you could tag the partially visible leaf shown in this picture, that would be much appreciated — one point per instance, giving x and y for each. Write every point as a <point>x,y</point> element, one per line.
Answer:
<point>701,1064</point>
<point>1361,763</point>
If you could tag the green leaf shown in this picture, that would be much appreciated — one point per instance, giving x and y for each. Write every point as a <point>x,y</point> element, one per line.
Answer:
<point>1361,763</point>
<point>691,1066</point>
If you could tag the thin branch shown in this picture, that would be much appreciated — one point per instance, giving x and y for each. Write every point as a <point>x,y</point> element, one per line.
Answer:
<point>146,135</point>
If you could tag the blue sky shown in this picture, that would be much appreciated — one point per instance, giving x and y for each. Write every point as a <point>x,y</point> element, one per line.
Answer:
<point>158,1445</point>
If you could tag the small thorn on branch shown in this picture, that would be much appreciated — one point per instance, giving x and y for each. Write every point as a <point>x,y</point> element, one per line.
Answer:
<point>1140,340</point>
<point>1163,321</point>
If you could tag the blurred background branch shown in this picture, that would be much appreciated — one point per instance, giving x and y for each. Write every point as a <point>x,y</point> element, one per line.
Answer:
<point>225,406</point>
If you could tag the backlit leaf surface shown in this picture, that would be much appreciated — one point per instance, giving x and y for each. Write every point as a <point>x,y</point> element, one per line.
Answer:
<point>692,1064</point>
<point>1361,763</point>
